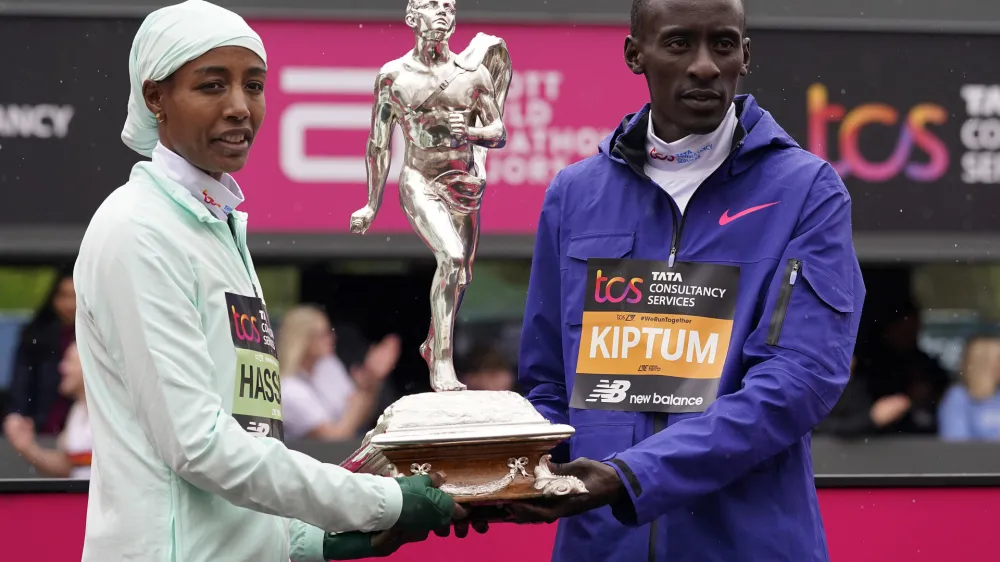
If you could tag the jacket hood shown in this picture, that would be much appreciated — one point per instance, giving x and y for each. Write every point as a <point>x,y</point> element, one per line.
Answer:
<point>757,133</point>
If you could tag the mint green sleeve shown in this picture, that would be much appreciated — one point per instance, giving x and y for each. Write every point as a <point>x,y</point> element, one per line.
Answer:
<point>306,542</point>
<point>149,316</point>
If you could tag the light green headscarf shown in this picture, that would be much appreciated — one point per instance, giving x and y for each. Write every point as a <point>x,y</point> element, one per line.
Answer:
<point>168,39</point>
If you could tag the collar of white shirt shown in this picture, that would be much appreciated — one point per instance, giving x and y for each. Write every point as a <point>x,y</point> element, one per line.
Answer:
<point>219,197</point>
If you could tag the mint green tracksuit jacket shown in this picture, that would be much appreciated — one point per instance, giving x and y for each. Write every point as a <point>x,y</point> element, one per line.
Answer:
<point>184,393</point>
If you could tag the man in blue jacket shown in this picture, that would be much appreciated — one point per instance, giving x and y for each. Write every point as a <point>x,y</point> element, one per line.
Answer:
<point>692,311</point>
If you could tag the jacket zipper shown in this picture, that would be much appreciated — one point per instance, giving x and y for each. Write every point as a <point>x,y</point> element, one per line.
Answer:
<point>678,225</point>
<point>240,243</point>
<point>678,229</point>
<point>784,296</point>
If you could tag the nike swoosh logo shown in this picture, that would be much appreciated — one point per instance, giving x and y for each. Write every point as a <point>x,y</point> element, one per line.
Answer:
<point>726,219</point>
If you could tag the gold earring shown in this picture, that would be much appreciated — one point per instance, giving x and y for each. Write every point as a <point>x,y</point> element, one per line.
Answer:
<point>160,118</point>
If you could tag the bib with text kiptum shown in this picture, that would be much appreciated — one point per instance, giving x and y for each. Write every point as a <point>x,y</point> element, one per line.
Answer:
<point>654,338</point>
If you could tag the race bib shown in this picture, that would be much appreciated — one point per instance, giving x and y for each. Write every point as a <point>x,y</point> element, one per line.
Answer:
<point>654,338</point>
<point>257,392</point>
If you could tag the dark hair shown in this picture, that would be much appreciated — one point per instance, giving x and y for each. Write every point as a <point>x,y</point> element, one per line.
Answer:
<point>903,309</point>
<point>45,315</point>
<point>639,5</point>
<point>484,358</point>
<point>352,345</point>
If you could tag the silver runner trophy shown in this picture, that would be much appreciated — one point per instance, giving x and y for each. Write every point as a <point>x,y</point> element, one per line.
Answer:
<point>450,109</point>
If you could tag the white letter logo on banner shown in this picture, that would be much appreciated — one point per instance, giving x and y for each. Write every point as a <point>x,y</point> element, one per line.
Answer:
<point>299,118</point>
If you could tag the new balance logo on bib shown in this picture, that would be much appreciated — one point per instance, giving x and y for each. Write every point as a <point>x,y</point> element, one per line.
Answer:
<point>655,338</point>
<point>613,392</point>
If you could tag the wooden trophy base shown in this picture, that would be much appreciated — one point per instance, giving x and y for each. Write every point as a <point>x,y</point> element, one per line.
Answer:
<point>490,446</point>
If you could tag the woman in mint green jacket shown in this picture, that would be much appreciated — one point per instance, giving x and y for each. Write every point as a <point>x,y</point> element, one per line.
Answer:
<point>179,359</point>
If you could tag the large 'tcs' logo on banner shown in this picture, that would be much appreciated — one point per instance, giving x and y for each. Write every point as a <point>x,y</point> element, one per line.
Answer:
<point>913,133</point>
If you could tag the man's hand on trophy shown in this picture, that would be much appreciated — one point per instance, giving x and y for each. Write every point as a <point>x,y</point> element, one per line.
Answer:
<point>362,219</point>
<point>463,525</point>
<point>604,487</point>
<point>459,129</point>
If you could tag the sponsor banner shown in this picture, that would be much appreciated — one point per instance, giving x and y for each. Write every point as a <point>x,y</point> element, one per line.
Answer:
<point>307,171</point>
<point>862,525</point>
<point>62,109</point>
<point>655,337</point>
<point>910,121</point>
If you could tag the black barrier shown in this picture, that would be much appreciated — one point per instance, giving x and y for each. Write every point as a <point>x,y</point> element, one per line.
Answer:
<point>932,15</point>
<point>44,486</point>
<point>864,459</point>
<point>60,485</point>
<point>62,97</point>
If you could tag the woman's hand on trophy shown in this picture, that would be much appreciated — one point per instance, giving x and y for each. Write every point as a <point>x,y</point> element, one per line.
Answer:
<point>425,507</point>
<point>362,220</point>
<point>358,545</point>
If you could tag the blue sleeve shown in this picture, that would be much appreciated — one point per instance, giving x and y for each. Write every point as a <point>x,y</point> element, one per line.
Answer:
<point>953,421</point>
<point>540,361</point>
<point>795,374</point>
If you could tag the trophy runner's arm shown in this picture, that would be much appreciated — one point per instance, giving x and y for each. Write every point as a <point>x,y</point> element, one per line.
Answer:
<point>378,154</point>
<point>493,133</point>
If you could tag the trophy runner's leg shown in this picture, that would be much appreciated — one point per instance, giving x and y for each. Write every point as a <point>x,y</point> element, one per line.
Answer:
<point>467,225</point>
<point>447,237</point>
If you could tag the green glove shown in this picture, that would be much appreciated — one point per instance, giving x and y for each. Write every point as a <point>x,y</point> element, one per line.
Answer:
<point>348,546</point>
<point>425,508</point>
<point>378,544</point>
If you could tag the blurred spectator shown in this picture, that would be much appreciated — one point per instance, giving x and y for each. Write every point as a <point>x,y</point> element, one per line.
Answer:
<point>856,413</point>
<point>320,397</point>
<point>898,369</point>
<point>970,410</point>
<point>71,457</point>
<point>34,388</point>
<point>485,368</point>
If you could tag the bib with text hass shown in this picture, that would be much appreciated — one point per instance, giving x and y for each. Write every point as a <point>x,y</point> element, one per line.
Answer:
<point>257,384</point>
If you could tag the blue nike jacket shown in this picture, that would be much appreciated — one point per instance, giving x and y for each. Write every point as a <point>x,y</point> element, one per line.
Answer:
<point>735,482</point>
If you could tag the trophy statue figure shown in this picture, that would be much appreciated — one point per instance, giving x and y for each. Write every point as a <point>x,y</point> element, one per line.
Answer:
<point>450,109</point>
<point>491,444</point>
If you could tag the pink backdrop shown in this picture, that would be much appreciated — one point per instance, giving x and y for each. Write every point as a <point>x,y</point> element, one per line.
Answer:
<point>897,525</point>
<point>307,173</point>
